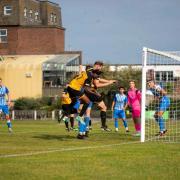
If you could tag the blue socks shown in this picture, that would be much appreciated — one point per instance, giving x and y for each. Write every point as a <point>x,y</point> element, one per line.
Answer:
<point>125,123</point>
<point>161,124</point>
<point>9,124</point>
<point>116,123</point>
<point>86,120</point>
<point>81,127</point>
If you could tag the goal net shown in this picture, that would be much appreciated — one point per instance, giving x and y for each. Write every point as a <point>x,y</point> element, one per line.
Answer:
<point>160,115</point>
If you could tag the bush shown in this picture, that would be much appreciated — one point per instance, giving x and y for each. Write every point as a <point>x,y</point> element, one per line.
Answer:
<point>26,103</point>
<point>44,103</point>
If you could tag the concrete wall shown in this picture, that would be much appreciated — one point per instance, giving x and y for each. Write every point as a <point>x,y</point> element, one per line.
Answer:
<point>19,84</point>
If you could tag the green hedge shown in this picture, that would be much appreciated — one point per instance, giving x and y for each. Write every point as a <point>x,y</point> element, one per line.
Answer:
<point>45,103</point>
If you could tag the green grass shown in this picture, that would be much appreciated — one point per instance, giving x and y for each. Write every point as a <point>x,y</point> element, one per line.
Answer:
<point>104,155</point>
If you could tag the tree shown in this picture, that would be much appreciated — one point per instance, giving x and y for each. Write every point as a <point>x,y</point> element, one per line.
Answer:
<point>123,77</point>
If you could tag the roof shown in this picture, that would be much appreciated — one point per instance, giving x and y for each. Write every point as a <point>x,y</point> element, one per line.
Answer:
<point>62,58</point>
<point>35,60</point>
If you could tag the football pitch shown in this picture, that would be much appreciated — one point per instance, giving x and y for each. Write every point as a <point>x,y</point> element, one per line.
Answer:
<point>44,150</point>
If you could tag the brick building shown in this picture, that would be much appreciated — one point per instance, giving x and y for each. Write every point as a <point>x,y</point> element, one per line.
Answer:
<point>32,54</point>
<point>30,27</point>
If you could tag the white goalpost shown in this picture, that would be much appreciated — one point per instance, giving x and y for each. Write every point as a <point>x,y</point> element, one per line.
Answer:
<point>160,112</point>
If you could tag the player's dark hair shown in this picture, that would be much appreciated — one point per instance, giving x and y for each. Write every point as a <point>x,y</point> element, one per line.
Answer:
<point>132,81</point>
<point>0,79</point>
<point>121,87</point>
<point>100,63</point>
<point>150,80</point>
<point>88,67</point>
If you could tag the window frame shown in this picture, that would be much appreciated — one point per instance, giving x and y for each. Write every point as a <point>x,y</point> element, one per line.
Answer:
<point>30,13</point>
<point>6,35</point>
<point>7,9</point>
<point>164,76</point>
<point>36,15</point>
<point>55,18</point>
<point>25,11</point>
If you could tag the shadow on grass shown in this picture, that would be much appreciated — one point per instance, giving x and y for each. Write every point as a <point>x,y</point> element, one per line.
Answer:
<point>54,137</point>
<point>113,136</point>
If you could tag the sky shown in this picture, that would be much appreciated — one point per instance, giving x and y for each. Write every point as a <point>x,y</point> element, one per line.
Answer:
<point>115,31</point>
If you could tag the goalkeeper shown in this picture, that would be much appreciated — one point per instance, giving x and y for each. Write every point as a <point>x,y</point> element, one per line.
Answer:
<point>163,104</point>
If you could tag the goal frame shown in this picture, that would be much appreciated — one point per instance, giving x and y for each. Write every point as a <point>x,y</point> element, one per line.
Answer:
<point>144,70</point>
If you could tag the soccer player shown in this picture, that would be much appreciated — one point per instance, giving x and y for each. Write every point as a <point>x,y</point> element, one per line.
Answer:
<point>90,89</point>
<point>77,89</point>
<point>87,118</point>
<point>163,104</point>
<point>134,101</point>
<point>66,101</point>
<point>76,92</point>
<point>119,105</point>
<point>5,106</point>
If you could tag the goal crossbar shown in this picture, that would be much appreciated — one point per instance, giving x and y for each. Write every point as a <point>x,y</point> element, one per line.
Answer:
<point>166,54</point>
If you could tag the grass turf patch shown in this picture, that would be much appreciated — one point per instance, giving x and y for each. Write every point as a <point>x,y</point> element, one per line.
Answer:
<point>104,155</point>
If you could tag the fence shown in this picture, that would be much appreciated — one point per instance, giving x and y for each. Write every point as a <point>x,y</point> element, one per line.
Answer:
<point>52,115</point>
<point>32,114</point>
<point>44,114</point>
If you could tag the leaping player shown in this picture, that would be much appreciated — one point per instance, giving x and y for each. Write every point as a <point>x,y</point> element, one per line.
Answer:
<point>163,104</point>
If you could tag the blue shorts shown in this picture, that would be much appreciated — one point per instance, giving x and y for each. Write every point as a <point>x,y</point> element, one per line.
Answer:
<point>119,114</point>
<point>4,109</point>
<point>77,105</point>
<point>90,104</point>
<point>164,104</point>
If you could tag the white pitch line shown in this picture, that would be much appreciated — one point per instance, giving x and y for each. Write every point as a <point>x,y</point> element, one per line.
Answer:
<point>65,149</point>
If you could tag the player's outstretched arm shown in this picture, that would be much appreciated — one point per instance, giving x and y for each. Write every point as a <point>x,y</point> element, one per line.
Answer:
<point>80,69</point>
<point>104,80</point>
<point>98,84</point>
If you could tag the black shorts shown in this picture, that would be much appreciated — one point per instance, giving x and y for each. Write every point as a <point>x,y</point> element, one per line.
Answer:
<point>66,109</point>
<point>74,93</point>
<point>92,94</point>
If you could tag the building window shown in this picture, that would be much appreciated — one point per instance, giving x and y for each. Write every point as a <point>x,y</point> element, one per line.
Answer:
<point>7,10</point>
<point>55,18</point>
<point>170,76</point>
<point>51,17</point>
<point>25,12</point>
<point>164,76</point>
<point>36,15</point>
<point>30,13</point>
<point>3,35</point>
<point>158,76</point>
